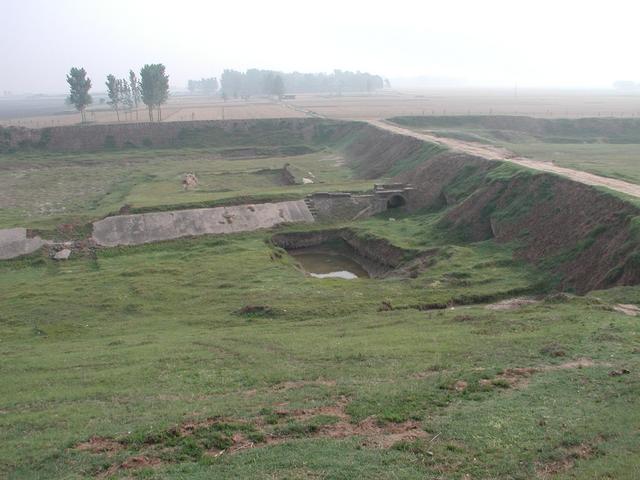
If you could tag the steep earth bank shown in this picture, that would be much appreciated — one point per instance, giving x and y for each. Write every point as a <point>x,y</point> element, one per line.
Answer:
<point>588,237</point>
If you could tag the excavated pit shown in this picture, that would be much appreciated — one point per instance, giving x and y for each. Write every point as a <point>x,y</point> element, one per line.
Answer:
<point>333,259</point>
<point>342,253</point>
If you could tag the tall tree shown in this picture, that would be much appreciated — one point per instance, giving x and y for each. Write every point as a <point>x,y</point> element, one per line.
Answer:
<point>206,86</point>
<point>231,82</point>
<point>79,86</point>
<point>134,84</point>
<point>269,82</point>
<point>126,96</point>
<point>155,87</point>
<point>277,86</point>
<point>114,91</point>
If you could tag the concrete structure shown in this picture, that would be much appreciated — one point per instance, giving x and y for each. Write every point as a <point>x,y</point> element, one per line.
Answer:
<point>14,243</point>
<point>395,195</point>
<point>348,206</point>
<point>155,227</point>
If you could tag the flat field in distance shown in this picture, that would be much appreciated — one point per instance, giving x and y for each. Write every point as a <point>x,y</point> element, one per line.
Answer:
<point>41,111</point>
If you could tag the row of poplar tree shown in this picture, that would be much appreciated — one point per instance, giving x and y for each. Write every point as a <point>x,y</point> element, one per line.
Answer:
<point>152,89</point>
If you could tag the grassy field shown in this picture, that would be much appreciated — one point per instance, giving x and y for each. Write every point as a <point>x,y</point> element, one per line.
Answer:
<point>140,341</point>
<point>610,160</point>
<point>76,188</point>
<point>217,357</point>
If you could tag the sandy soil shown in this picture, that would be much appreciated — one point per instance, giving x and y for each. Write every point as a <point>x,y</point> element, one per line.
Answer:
<point>497,153</point>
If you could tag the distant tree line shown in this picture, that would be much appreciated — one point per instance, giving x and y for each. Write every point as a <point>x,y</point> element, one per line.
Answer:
<point>152,89</point>
<point>124,93</point>
<point>204,86</point>
<point>268,82</point>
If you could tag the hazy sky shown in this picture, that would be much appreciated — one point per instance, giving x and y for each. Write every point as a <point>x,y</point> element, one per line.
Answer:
<point>486,42</point>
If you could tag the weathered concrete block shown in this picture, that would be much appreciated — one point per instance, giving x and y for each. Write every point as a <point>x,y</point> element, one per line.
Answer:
<point>158,226</point>
<point>14,243</point>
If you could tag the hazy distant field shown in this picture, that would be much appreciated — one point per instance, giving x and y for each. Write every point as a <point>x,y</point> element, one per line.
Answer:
<point>552,104</point>
<point>39,112</point>
<point>177,109</point>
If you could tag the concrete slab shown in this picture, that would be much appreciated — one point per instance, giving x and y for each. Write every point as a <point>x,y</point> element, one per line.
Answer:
<point>14,243</point>
<point>154,227</point>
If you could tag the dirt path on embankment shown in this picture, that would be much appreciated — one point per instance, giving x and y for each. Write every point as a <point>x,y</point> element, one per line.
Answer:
<point>491,152</point>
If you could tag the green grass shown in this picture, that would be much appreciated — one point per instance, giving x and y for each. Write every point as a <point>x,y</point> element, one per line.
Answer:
<point>151,348</point>
<point>41,190</point>
<point>142,339</point>
<point>610,160</point>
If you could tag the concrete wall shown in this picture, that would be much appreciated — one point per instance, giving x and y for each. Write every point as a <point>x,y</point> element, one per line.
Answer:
<point>330,206</point>
<point>334,207</point>
<point>14,243</point>
<point>154,227</point>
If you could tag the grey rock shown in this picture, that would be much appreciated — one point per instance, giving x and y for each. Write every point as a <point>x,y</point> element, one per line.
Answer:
<point>62,254</point>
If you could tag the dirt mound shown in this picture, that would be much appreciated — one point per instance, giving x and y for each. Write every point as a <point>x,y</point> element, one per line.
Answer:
<point>189,181</point>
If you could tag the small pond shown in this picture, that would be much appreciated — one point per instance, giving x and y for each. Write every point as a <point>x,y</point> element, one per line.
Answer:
<point>324,263</point>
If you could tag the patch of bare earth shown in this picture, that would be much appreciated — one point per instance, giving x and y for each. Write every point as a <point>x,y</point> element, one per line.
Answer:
<point>547,470</point>
<point>374,434</point>
<point>97,444</point>
<point>292,385</point>
<point>627,309</point>
<point>511,304</point>
<point>138,461</point>
<point>519,377</point>
<point>305,414</point>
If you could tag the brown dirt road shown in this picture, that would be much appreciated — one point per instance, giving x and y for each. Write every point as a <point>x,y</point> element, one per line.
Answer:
<point>497,153</point>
